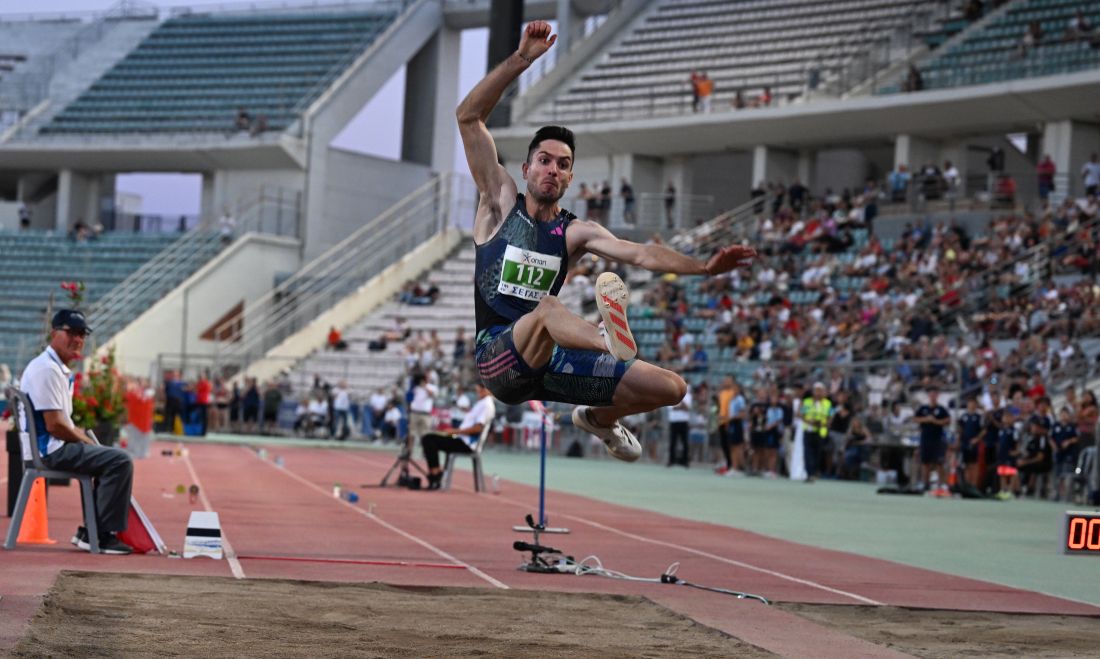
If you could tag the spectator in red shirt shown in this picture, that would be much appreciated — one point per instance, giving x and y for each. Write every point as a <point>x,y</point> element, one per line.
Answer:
<point>203,389</point>
<point>1046,171</point>
<point>336,340</point>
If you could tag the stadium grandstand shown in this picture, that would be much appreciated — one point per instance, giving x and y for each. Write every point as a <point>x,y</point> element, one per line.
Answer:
<point>863,146</point>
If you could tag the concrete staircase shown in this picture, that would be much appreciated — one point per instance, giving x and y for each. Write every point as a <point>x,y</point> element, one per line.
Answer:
<point>72,75</point>
<point>364,370</point>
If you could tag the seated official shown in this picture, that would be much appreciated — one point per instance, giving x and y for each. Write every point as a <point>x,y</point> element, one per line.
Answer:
<point>462,440</point>
<point>48,384</point>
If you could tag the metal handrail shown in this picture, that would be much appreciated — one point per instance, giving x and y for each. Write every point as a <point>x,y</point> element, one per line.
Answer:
<point>724,229</point>
<point>337,69</point>
<point>166,270</point>
<point>338,272</point>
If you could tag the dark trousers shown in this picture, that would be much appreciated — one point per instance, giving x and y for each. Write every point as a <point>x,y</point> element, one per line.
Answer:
<point>173,409</point>
<point>811,452</point>
<point>114,478</point>
<point>678,436</point>
<point>434,442</point>
<point>204,417</point>
<point>724,440</point>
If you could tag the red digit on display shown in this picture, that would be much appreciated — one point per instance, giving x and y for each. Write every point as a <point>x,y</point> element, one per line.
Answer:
<point>1077,531</point>
<point>1093,534</point>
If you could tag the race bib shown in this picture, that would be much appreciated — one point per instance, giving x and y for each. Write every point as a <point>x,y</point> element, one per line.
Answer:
<point>526,274</point>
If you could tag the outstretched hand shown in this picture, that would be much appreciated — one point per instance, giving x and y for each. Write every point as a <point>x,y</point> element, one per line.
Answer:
<point>728,258</point>
<point>536,40</point>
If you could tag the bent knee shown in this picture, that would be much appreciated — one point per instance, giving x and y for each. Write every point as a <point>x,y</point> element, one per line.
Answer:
<point>548,303</point>
<point>676,388</point>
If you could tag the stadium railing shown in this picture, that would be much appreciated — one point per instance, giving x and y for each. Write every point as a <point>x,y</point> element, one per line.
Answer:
<point>324,281</point>
<point>272,211</point>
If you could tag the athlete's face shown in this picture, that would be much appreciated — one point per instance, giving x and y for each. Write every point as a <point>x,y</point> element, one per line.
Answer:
<point>549,171</point>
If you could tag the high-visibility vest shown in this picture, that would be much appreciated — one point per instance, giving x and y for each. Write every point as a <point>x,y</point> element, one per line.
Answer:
<point>816,414</point>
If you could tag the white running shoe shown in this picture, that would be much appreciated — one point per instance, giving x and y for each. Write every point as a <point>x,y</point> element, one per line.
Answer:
<point>611,300</point>
<point>620,442</point>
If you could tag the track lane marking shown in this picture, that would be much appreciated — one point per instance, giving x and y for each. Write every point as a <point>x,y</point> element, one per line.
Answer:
<point>230,555</point>
<point>691,550</point>
<point>378,520</point>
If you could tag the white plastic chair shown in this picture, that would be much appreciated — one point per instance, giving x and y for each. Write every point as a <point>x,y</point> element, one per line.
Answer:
<point>33,468</point>
<point>475,457</point>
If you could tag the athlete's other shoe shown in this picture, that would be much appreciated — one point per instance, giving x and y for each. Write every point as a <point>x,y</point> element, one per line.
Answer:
<point>620,442</point>
<point>611,300</point>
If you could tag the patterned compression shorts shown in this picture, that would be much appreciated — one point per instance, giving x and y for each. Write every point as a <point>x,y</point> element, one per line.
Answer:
<point>578,377</point>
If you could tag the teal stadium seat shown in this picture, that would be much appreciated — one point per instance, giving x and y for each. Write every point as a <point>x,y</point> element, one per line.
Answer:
<point>192,73</point>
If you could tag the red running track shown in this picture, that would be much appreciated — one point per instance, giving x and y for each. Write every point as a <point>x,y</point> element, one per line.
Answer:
<point>283,522</point>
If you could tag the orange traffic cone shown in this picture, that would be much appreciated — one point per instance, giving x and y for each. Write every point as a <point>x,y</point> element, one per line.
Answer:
<point>35,529</point>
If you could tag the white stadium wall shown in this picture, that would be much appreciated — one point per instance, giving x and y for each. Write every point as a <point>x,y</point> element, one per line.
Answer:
<point>358,188</point>
<point>243,272</point>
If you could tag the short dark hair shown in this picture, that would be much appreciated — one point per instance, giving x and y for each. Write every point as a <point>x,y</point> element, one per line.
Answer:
<point>559,133</point>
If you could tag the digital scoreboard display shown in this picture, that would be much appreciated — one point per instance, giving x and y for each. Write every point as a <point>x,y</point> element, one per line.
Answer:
<point>1081,533</point>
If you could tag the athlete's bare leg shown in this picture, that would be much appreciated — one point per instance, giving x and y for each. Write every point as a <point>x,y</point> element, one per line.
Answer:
<point>550,324</point>
<point>644,387</point>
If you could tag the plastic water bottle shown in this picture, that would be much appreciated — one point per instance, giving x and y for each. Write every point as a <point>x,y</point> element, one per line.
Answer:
<point>494,485</point>
<point>336,490</point>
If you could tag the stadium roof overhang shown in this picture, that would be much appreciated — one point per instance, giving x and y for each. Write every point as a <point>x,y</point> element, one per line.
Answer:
<point>466,14</point>
<point>1018,106</point>
<point>178,153</point>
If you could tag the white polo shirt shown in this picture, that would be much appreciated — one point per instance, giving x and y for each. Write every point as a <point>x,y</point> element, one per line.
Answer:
<point>48,384</point>
<point>482,414</point>
<point>423,399</point>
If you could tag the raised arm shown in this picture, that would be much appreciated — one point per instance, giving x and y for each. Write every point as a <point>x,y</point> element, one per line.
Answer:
<point>496,187</point>
<point>586,236</point>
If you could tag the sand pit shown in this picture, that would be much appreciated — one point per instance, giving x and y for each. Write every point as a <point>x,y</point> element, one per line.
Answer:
<point>951,634</point>
<point>124,615</point>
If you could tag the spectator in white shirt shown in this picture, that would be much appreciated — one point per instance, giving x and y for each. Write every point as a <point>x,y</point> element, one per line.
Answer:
<point>420,409</point>
<point>341,408</point>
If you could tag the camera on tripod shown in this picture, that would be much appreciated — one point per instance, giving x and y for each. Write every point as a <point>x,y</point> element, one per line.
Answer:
<point>411,482</point>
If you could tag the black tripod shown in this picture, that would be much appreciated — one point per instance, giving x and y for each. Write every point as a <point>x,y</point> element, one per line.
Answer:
<point>403,461</point>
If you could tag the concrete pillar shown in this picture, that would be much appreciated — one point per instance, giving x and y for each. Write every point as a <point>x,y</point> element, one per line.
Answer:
<point>91,205</point>
<point>64,200</point>
<point>805,171</point>
<point>773,165</point>
<point>1070,144</point>
<point>914,152</point>
<point>622,166</point>
<point>678,173</point>
<point>208,207</point>
<point>567,22</point>
<point>431,85</point>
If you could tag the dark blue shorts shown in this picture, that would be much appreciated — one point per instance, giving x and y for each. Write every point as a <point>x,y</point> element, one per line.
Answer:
<point>578,377</point>
<point>931,451</point>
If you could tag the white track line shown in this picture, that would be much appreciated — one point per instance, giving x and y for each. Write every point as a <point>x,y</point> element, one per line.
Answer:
<point>699,552</point>
<point>375,518</point>
<point>230,555</point>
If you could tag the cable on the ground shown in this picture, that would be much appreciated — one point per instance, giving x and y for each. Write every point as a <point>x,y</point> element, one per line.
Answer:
<point>591,565</point>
